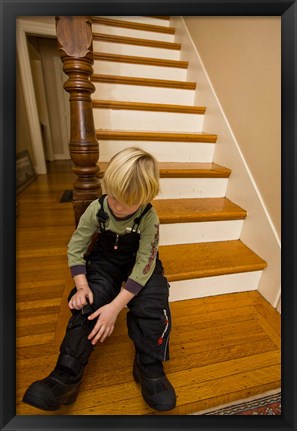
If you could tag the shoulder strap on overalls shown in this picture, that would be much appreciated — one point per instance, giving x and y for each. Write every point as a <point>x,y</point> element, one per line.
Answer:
<point>102,216</point>
<point>138,219</point>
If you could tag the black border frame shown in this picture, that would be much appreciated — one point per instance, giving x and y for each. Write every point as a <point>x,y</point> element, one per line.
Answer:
<point>9,10</point>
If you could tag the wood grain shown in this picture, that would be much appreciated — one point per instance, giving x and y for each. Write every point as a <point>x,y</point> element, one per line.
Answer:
<point>125,135</point>
<point>143,106</point>
<point>185,170</point>
<point>147,82</point>
<point>151,61</point>
<point>136,41</point>
<point>133,25</point>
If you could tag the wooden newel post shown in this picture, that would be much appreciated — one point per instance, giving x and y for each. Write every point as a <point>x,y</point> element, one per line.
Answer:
<point>74,34</point>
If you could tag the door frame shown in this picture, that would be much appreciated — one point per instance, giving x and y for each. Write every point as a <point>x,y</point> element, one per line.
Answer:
<point>24,27</point>
<point>63,106</point>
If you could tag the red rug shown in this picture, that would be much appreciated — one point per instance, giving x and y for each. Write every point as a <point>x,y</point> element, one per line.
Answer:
<point>265,404</point>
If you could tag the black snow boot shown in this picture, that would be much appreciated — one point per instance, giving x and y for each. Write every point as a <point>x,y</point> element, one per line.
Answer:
<point>156,389</point>
<point>52,392</point>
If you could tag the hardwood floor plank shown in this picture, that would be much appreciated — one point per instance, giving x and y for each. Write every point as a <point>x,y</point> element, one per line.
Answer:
<point>39,329</point>
<point>27,313</point>
<point>270,315</point>
<point>269,330</point>
<point>54,291</point>
<point>125,398</point>
<point>35,351</point>
<point>35,320</point>
<point>38,303</point>
<point>36,339</point>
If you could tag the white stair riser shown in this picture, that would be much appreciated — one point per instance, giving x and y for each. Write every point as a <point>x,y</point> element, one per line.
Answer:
<point>139,70</point>
<point>147,120</point>
<point>179,151</point>
<point>130,32</point>
<point>135,50</point>
<point>142,93</point>
<point>210,286</point>
<point>142,19</point>
<point>179,188</point>
<point>188,233</point>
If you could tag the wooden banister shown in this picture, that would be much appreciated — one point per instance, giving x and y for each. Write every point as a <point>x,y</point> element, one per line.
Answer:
<point>74,34</point>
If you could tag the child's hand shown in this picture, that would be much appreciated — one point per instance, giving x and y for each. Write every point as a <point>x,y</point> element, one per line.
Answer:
<point>105,323</point>
<point>79,299</point>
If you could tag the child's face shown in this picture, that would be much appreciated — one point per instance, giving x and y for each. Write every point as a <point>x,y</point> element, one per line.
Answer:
<point>121,210</point>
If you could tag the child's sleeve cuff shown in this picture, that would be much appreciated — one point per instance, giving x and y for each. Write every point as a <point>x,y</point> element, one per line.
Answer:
<point>133,287</point>
<point>78,269</point>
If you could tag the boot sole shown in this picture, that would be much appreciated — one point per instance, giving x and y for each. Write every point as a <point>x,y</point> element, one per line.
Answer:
<point>43,404</point>
<point>162,407</point>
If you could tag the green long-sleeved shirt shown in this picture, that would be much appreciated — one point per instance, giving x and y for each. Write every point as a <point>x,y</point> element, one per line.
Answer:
<point>148,243</point>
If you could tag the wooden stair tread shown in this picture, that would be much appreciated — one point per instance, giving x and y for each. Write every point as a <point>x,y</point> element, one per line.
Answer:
<point>197,210</point>
<point>193,169</point>
<point>130,80</point>
<point>155,136</point>
<point>149,61</point>
<point>133,25</point>
<point>188,261</point>
<point>136,41</point>
<point>185,170</point>
<point>141,106</point>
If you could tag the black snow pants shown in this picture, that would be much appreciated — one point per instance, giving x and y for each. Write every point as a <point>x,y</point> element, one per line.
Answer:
<point>148,318</point>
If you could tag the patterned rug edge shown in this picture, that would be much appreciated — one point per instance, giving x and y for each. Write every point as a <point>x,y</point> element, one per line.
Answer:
<point>268,403</point>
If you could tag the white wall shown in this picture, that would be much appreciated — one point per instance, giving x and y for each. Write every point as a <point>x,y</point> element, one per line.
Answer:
<point>259,230</point>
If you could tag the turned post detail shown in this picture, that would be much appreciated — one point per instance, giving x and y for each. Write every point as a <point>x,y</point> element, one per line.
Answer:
<point>74,34</point>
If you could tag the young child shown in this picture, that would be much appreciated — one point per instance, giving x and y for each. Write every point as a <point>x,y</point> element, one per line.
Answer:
<point>122,268</point>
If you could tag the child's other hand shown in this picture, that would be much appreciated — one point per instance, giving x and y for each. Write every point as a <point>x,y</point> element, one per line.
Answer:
<point>81,298</point>
<point>105,323</point>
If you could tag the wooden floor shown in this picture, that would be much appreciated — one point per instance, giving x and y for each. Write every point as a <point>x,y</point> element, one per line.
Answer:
<point>223,348</point>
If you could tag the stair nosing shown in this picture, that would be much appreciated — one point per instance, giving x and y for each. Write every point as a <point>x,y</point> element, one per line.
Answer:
<point>137,41</point>
<point>148,61</point>
<point>192,173</point>
<point>142,106</point>
<point>134,25</point>
<point>148,82</point>
<point>184,170</point>
<point>198,137</point>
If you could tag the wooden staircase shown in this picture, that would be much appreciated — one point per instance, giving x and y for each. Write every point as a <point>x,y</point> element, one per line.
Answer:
<point>224,347</point>
<point>142,98</point>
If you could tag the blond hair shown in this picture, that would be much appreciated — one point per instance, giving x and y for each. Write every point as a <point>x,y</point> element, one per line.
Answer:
<point>132,177</point>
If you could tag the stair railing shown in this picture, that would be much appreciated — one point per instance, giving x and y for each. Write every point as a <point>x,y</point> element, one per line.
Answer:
<point>75,44</point>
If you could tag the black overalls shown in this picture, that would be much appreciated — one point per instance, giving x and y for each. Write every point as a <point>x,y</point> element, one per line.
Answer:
<point>108,266</point>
